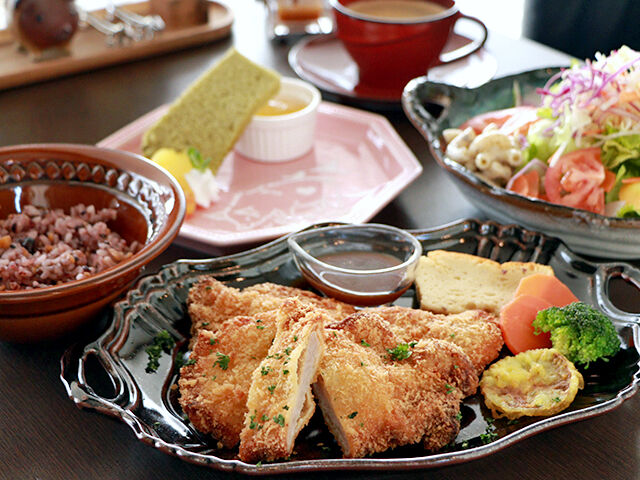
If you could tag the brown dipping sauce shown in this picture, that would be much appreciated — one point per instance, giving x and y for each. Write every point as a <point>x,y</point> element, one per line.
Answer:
<point>377,290</point>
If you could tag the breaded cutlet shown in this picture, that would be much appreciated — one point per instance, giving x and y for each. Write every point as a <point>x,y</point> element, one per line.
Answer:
<point>211,302</point>
<point>475,331</point>
<point>377,392</point>
<point>213,390</point>
<point>280,402</point>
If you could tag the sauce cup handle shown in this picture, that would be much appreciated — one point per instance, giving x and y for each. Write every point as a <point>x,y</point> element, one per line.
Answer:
<point>469,48</point>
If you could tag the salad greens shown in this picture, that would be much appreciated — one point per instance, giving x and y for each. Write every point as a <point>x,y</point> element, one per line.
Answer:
<point>594,104</point>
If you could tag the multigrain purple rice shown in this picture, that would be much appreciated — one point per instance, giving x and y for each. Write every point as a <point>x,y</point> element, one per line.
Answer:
<point>41,247</point>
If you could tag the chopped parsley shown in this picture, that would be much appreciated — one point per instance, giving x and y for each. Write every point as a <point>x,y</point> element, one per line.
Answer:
<point>490,433</point>
<point>364,343</point>
<point>295,338</point>
<point>260,327</point>
<point>265,370</point>
<point>191,361</point>
<point>279,419</point>
<point>556,399</point>
<point>222,361</point>
<point>450,388</point>
<point>402,351</point>
<point>252,424</point>
<point>286,407</point>
<point>352,414</point>
<point>287,351</point>
<point>265,417</point>
<point>459,416</point>
<point>271,388</point>
<point>285,372</point>
<point>213,341</point>
<point>162,342</point>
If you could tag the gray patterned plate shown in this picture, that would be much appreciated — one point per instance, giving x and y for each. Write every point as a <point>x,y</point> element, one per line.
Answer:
<point>432,107</point>
<point>108,375</point>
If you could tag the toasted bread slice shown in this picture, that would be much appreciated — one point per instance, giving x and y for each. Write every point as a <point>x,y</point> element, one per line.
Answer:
<point>452,282</point>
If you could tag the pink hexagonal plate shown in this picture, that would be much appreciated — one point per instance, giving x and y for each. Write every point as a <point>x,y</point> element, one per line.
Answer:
<point>358,165</point>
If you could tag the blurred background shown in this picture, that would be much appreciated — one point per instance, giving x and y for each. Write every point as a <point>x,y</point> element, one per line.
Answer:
<point>577,27</point>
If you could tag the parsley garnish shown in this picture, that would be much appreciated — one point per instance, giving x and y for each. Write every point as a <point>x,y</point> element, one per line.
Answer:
<point>286,407</point>
<point>222,361</point>
<point>213,341</point>
<point>285,372</point>
<point>197,161</point>
<point>556,399</point>
<point>271,388</point>
<point>252,424</point>
<point>191,361</point>
<point>450,388</point>
<point>279,419</point>
<point>265,370</point>
<point>265,417</point>
<point>402,351</point>
<point>459,416</point>
<point>364,343</point>
<point>162,342</point>
<point>352,414</point>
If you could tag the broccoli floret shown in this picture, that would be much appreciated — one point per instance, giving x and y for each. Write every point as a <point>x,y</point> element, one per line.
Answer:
<point>580,332</point>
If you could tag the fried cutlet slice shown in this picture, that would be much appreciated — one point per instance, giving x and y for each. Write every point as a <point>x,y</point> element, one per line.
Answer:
<point>211,302</point>
<point>280,402</point>
<point>213,390</point>
<point>376,392</point>
<point>475,331</point>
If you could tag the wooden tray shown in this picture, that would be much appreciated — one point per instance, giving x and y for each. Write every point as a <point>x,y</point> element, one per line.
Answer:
<point>89,50</point>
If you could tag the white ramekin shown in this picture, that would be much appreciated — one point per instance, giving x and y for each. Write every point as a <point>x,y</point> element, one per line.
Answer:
<point>280,138</point>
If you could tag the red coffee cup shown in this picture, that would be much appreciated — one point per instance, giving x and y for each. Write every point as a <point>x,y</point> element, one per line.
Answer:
<point>389,52</point>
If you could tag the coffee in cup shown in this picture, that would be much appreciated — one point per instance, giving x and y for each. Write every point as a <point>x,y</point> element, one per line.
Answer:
<point>393,41</point>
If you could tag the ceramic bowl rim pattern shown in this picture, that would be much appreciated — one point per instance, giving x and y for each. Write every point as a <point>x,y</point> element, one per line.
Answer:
<point>151,248</point>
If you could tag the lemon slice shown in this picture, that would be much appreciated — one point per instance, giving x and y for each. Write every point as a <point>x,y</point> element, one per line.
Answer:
<point>535,383</point>
<point>178,165</point>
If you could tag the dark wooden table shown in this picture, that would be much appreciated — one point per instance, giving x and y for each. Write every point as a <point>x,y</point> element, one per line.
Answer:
<point>44,436</point>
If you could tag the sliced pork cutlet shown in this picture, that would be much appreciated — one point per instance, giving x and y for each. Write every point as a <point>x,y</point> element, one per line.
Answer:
<point>377,392</point>
<point>475,331</point>
<point>213,389</point>
<point>280,402</point>
<point>211,302</point>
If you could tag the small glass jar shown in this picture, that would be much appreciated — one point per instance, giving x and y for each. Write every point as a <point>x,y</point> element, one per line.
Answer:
<point>298,17</point>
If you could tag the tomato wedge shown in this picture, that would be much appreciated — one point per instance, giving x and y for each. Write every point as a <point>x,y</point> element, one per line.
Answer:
<point>509,121</point>
<point>576,180</point>
<point>527,184</point>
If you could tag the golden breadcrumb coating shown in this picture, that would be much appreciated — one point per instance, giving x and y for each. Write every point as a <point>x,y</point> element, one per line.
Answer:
<point>213,390</point>
<point>377,392</point>
<point>475,331</point>
<point>210,302</point>
<point>280,402</point>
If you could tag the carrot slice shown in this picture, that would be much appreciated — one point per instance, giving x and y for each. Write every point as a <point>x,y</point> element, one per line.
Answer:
<point>516,319</point>
<point>546,287</point>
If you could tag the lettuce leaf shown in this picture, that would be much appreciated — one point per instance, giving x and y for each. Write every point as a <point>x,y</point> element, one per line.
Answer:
<point>544,138</point>
<point>621,150</point>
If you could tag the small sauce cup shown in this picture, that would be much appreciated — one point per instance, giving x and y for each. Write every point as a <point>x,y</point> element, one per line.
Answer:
<point>284,129</point>
<point>364,265</point>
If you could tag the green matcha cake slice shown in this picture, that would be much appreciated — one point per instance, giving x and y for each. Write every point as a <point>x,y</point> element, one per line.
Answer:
<point>212,113</point>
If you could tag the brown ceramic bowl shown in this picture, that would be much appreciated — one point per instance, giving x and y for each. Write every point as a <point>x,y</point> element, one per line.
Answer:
<point>150,206</point>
